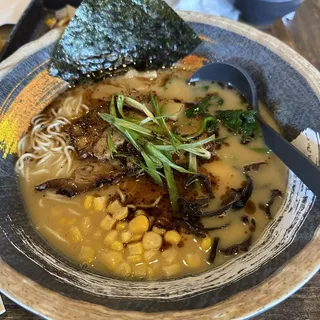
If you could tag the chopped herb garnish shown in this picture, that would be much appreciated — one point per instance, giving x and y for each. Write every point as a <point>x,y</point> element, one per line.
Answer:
<point>202,106</point>
<point>220,102</point>
<point>240,121</point>
<point>198,109</point>
<point>261,150</point>
<point>209,125</point>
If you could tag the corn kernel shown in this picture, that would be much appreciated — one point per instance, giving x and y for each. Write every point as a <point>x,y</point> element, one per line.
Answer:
<point>159,230</point>
<point>114,206</point>
<point>137,258</point>
<point>156,267</point>
<point>121,213</point>
<point>150,273</point>
<point>110,237</point>
<point>124,269</point>
<point>135,248</point>
<point>121,225</point>
<point>151,241</point>
<point>139,270</point>
<point>193,260</point>
<point>75,234</point>
<point>97,235</point>
<point>63,221</point>
<point>139,224</point>
<point>151,256</point>
<point>117,246</point>
<point>107,223</point>
<point>140,213</point>
<point>100,203</point>
<point>88,201</point>
<point>71,221</point>
<point>206,243</point>
<point>86,254</point>
<point>112,259</point>
<point>125,236</point>
<point>85,225</point>
<point>172,237</point>
<point>136,237</point>
<point>170,254</point>
<point>171,270</point>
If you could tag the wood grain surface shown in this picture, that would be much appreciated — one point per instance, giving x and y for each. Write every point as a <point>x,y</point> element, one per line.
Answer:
<point>303,35</point>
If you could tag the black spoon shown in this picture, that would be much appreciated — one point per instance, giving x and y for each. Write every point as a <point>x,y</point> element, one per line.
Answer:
<point>239,79</point>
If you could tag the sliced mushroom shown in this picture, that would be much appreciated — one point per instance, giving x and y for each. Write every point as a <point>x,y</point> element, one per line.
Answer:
<point>237,248</point>
<point>86,177</point>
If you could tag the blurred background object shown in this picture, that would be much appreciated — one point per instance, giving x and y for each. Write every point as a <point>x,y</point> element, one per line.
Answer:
<point>265,12</point>
<point>257,12</point>
<point>11,11</point>
<point>224,8</point>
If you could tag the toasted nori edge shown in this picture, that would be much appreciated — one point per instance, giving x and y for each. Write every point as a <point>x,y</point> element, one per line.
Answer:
<point>111,33</point>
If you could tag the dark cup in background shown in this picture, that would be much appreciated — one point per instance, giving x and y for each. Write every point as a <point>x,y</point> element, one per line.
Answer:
<point>265,12</point>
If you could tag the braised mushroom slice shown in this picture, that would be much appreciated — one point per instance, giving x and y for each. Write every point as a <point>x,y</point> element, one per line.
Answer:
<point>84,178</point>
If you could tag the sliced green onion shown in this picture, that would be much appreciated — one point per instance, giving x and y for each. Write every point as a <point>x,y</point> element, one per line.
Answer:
<point>161,122</point>
<point>151,168</point>
<point>184,146</point>
<point>153,173</point>
<point>152,149</point>
<point>129,135</point>
<point>193,166</point>
<point>125,124</point>
<point>113,111</point>
<point>147,120</point>
<point>200,142</point>
<point>111,146</point>
<point>120,101</point>
<point>208,124</point>
<point>139,106</point>
<point>200,152</point>
<point>172,187</point>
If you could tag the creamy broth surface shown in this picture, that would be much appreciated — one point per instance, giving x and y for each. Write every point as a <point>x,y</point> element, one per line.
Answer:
<point>72,226</point>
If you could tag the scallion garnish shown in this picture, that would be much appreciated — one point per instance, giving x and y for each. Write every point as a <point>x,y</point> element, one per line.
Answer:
<point>156,142</point>
<point>111,146</point>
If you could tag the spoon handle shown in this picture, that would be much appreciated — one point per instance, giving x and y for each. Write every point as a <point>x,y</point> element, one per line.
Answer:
<point>295,160</point>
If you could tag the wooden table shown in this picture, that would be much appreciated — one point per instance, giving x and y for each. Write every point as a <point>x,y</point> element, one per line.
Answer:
<point>302,34</point>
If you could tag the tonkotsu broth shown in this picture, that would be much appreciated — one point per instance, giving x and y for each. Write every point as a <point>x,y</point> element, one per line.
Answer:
<point>56,217</point>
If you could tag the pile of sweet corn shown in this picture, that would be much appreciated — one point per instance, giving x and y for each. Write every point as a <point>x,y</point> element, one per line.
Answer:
<point>132,248</point>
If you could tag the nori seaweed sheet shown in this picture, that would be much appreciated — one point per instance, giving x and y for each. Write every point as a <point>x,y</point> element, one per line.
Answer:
<point>109,34</point>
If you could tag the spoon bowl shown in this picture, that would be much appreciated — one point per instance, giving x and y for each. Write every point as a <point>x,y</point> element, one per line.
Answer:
<point>231,75</point>
<point>239,79</point>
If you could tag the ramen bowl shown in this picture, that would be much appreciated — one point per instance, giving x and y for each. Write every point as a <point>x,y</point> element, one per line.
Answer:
<point>287,255</point>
